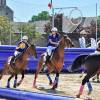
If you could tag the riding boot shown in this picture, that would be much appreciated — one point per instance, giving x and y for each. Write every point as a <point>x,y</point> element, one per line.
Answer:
<point>13,60</point>
<point>47,59</point>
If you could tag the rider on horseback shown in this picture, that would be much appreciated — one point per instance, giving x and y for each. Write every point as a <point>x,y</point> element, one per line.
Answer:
<point>53,41</point>
<point>97,50</point>
<point>98,47</point>
<point>21,47</point>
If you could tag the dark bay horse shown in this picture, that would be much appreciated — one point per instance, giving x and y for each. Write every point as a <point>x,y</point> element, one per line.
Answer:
<point>20,66</point>
<point>92,65</point>
<point>56,61</point>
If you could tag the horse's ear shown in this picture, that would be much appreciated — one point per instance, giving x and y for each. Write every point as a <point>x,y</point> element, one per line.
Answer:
<point>63,34</point>
<point>31,43</point>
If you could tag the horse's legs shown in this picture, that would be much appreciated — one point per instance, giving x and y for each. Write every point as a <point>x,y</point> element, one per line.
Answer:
<point>89,87</point>
<point>40,64</point>
<point>48,75</point>
<point>21,78</point>
<point>56,81</point>
<point>97,77</point>
<point>86,79</point>
<point>8,82</point>
<point>3,71</point>
<point>15,81</point>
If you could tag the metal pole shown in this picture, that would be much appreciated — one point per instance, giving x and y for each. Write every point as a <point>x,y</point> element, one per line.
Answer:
<point>53,17</point>
<point>96,24</point>
<point>52,14</point>
<point>21,31</point>
<point>10,32</point>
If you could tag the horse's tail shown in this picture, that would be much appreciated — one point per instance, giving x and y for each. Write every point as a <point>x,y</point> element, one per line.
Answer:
<point>78,62</point>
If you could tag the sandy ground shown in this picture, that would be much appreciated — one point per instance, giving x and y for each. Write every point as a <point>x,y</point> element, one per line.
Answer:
<point>68,86</point>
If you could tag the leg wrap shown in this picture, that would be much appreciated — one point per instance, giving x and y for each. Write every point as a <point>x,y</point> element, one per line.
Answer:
<point>89,86</point>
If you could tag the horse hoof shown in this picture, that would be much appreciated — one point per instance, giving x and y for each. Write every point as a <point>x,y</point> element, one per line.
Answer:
<point>50,83</point>
<point>78,95</point>
<point>80,76</point>
<point>34,86</point>
<point>89,92</point>
<point>54,86</point>
<point>7,86</point>
<point>18,84</point>
<point>14,86</point>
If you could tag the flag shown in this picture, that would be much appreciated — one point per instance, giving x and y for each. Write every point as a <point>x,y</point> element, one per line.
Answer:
<point>50,4</point>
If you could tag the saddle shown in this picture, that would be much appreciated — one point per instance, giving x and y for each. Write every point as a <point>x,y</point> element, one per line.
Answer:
<point>14,58</point>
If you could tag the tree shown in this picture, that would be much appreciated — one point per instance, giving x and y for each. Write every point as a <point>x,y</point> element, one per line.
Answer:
<point>44,15</point>
<point>29,30</point>
<point>47,28</point>
<point>58,22</point>
<point>5,29</point>
<point>98,19</point>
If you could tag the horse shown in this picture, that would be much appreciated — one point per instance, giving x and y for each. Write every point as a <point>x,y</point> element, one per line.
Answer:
<point>96,77</point>
<point>92,66</point>
<point>56,61</point>
<point>19,66</point>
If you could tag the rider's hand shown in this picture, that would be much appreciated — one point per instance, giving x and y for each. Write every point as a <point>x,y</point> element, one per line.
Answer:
<point>57,44</point>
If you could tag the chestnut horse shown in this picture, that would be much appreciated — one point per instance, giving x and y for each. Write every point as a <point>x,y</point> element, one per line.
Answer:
<point>56,61</point>
<point>19,67</point>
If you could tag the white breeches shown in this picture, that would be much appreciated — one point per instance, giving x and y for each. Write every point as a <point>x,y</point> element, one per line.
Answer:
<point>16,53</point>
<point>49,49</point>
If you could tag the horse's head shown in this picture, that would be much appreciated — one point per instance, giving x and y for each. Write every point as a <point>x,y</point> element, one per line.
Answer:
<point>32,49</point>
<point>66,41</point>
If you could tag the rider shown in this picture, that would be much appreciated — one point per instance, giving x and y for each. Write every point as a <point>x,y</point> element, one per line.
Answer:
<point>53,41</point>
<point>21,47</point>
<point>98,48</point>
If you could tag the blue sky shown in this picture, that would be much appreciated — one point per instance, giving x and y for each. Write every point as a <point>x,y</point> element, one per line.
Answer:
<point>24,9</point>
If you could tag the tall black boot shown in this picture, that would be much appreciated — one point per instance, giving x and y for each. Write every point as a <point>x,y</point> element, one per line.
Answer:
<point>12,60</point>
<point>47,59</point>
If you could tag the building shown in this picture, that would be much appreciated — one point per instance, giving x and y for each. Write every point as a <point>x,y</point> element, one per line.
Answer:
<point>5,10</point>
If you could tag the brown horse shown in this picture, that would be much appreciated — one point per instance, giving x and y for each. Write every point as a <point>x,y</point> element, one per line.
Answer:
<point>20,66</point>
<point>56,61</point>
<point>92,65</point>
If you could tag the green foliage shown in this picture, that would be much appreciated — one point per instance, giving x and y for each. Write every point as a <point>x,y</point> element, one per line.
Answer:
<point>26,28</point>
<point>98,19</point>
<point>44,15</point>
<point>5,29</point>
<point>4,25</point>
<point>37,35</point>
<point>29,30</point>
<point>47,28</point>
